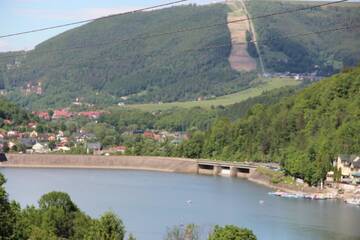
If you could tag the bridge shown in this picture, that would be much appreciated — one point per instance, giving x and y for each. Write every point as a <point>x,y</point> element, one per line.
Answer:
<point>231,169</point>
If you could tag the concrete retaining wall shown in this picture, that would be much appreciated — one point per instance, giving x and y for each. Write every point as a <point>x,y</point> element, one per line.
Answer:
<point>164,164</point>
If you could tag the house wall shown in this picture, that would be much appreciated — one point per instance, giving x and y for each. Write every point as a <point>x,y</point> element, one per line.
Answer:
<point>345,170</point>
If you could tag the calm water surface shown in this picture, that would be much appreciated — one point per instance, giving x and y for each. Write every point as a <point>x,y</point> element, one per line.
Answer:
<point>149,202</point>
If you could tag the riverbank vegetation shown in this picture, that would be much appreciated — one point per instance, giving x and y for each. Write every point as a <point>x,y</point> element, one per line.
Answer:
<point>58,218</point>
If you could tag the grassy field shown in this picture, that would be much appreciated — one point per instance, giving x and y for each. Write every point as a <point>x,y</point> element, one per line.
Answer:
<point>270,84</point>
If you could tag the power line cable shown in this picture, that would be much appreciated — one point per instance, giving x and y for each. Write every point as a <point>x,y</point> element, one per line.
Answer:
<point>146,36</point>
<point>90,20</point>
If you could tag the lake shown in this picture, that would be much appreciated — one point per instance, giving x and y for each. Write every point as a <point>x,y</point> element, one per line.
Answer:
<point>150,202</point>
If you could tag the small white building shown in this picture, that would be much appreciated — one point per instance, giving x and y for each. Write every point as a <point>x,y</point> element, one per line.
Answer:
<point>40,148</point>
<point>349,165</point>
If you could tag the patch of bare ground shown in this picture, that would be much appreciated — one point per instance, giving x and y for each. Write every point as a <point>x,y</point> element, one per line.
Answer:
<point>239,58</point>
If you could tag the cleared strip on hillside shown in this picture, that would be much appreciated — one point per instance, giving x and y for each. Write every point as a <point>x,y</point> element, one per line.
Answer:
<point>239,58</point>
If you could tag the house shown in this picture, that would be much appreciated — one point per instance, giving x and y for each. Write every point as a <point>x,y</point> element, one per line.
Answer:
<point>91,114</point>
<point>8,122</point>
<point>33,134</point>
<point>28,143</point>
<point>40,148</point>
<point>93,147</point>
<point>119,149</point>
<point>137,131</point>
<point>11,144</point>
<point>63,148</point>
<point>62,113</point>
<point>152,135</point>
<point>11,134</point>
<point>32,125</point>
<point>83,137</point>
<point>349,165</point>
<point>43,115</point>
<point>148,134</point>
<point>51,138</point>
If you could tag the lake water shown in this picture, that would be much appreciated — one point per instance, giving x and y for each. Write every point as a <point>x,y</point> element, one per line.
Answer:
<point>150,202</point>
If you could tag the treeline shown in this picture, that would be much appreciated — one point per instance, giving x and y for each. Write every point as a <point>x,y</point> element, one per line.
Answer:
<point>57,217</point>
<point>325,53</point>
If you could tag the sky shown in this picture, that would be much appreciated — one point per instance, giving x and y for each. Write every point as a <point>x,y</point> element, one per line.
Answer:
<point>24,15</point>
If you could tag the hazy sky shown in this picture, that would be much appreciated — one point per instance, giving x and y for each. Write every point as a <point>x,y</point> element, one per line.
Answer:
<point>23,15</point>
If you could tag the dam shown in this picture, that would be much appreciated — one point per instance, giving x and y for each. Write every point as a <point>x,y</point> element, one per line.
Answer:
<point>163,164</point>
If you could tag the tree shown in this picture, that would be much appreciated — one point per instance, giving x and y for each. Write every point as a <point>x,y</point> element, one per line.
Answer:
<point>57,200</point>
<point>230,232</point>
<point>6,148</point>
<point>108,227</point>
<point>188,232</point>
<point>193,147</point>
<point>7,216</point>
<point>52,145</point>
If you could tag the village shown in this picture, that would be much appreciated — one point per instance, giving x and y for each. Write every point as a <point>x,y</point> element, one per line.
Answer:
<point>34,139</point>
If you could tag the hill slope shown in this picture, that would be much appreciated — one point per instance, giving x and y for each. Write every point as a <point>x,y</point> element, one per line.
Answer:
<point>303,132</point>
<point>326,53</point>
<point>152,69</point>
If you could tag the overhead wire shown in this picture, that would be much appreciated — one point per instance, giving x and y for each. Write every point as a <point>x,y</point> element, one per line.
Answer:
<point>91,20</point>
<point>146,36</point>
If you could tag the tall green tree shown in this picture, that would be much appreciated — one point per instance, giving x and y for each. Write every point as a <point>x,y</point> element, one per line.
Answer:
<point>230,232</point>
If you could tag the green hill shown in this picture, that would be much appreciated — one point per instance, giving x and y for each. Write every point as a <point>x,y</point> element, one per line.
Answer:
<point>160,69</point>
<point>303,132</point>
<point>325,53</point>
<point>152,69</point>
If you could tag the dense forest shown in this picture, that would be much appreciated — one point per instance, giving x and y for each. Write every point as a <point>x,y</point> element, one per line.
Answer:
<point>145,69</point>
<point>323,53</point>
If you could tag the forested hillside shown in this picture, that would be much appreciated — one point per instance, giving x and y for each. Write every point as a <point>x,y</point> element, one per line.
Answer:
<point>325,53</point>
<point>303,132</point>
<point>149,69</point>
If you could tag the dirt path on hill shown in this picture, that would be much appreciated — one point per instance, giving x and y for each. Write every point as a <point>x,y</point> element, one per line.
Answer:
<point>239,58</point>
<point>253,32</point>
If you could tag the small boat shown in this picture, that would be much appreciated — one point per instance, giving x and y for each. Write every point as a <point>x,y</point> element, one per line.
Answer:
<point>189,202</point>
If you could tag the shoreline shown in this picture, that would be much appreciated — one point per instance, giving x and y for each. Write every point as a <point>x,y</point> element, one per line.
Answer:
<point>139,163</point>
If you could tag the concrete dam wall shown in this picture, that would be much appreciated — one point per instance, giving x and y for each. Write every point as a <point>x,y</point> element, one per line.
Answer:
<point>164,164</point>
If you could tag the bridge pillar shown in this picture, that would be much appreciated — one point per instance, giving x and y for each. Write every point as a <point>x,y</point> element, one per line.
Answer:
<point>217,170</point>
<point>233,171</point>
